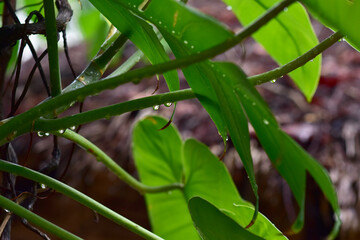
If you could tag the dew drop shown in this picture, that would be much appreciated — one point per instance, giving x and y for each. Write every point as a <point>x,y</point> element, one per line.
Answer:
<point>7,211</point>
<point>61,131</point>
<point>286,9</point>
<point>72,128</point>
<point>186,42</point>
<point>273,81</point>
<point>226,138</point>
<point>156,107</point>
<point>40,134</point>
<point>192,46</point>
<point>229,8</point>
<point>47,134</point>
<point>173,31</point>
<point>266,122</point>
<point>168,104</point>
<point>42,186</point>
<point>160,22</point>
<point>224,75</point>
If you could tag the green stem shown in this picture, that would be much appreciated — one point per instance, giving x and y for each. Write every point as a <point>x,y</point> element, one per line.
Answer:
<point>47,125</point>
<point>113,166</point>
<point>296,63</point>
<point>8,129</point>
<point>51,38</point>
<point>77,196</point>
<point>35,219</point>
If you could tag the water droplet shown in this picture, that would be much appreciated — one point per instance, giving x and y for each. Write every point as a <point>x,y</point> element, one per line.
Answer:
<point>40,134</point>
<point>168,104</point>
<point>186,42</point>
<point>273,81</point>
<point>7,211</point>
<point>229,8</point>
<point>266,122</point>
<point>47,134</point>
<point>192,46</point>
<point>224,75</point>
<point>72,128</point>
<point>226,138</point>
<point>156,107</point>
<point>61,131</point>
<point>134,6</point>
<point>42,186</point>
<point>286,9</point>
<point>160,22</point>
<point>311,60</point>
<point>173,31</point>
<point>151,17</point>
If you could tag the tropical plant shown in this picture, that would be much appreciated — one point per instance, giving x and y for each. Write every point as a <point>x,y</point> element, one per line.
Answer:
<point>189,192</point>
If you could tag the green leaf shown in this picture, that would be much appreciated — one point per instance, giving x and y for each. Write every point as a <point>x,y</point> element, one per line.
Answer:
<point>187,31</point>
<point>343,16</point>
<point>94,28</point>
<point>288,157</point>
<point>139,32</point>
<point>285,38</point>
<point>212,224</point>
<point>223,80</point>
<point>162,158</point>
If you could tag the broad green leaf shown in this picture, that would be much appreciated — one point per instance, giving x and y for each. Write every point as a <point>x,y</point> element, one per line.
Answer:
<point>285,38</point>
<point>161,158</point>
<point>139,32</point>
<point>212,224</point>
<point>158,156</point>
<point>340,15</point>
<point>288,157</point>
<point>208,178</point>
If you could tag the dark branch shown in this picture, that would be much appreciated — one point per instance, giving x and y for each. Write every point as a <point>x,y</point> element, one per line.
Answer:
<point>11,33</point>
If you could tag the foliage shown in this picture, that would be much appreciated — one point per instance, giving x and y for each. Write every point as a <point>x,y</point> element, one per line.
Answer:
<point>184,179</point>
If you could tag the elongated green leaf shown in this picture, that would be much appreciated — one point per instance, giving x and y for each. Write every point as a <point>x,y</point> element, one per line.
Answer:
<point>212,224</point>
<point>285,38</point>
<point>288,157</point>
<point>343,16</point>
<point>161,158</point>
<point>139,32</point>
<point>223,81</point>
<point>187,31</point>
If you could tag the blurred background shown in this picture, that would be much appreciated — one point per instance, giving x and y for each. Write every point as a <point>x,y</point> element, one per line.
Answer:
<point>328,128</point>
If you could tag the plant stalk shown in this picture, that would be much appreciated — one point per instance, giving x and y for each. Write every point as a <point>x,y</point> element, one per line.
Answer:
<point>22,212</point>
<point>297,62</point>
<point>53,54</point>
<point>77,196</point>
<point>113,166</point>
